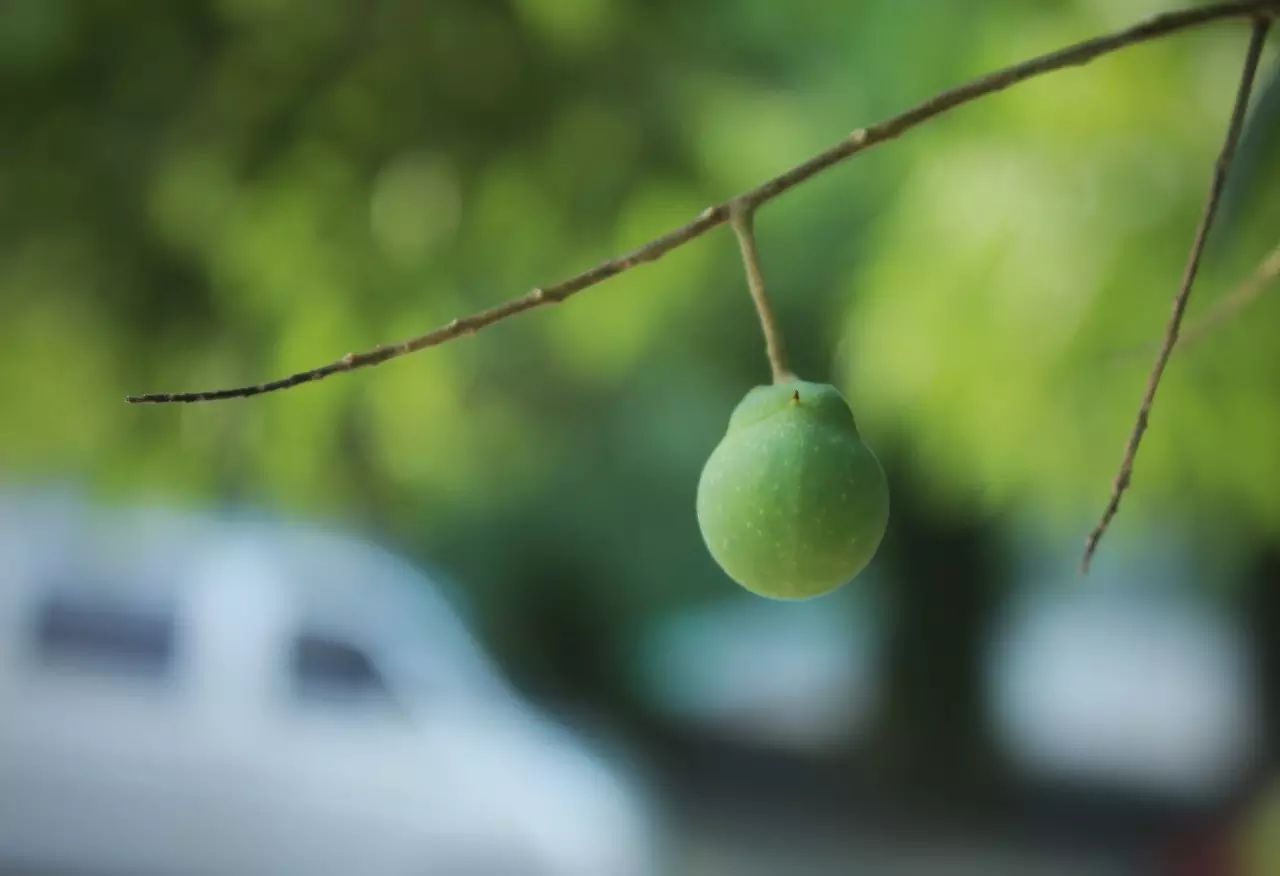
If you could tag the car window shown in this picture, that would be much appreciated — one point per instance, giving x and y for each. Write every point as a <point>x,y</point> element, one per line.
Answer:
<point>325,667</point>
<point>91,632</point>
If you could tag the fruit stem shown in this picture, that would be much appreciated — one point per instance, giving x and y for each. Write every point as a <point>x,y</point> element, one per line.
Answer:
<point>741,215</point>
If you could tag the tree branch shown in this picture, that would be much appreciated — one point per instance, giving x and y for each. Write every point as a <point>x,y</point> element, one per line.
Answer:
<point>1227,308</point>
<point>858,141</point>
<point>742,216</point>
<point>1221,168</point>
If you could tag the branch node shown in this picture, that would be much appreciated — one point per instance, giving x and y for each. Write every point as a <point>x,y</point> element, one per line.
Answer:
<point>742,209</point>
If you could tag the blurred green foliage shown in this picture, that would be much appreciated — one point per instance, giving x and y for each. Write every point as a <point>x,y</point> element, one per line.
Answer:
<point>197,194</point>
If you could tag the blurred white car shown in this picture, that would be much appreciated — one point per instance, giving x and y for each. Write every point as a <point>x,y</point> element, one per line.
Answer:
<point>1134,680</point>
<point>196,696</point>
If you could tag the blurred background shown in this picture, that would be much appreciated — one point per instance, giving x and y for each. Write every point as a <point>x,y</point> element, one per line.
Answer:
<point>199,194</point>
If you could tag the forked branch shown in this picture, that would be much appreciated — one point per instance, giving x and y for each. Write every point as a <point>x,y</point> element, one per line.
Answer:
<point>1220,170</point>
<point>1227,308</point>
<point>858,141</point>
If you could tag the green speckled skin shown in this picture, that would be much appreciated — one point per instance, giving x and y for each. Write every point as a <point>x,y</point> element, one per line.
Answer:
<point>791,503</point>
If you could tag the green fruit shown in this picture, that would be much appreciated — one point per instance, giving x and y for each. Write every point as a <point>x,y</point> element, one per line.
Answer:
<point>791,503</point>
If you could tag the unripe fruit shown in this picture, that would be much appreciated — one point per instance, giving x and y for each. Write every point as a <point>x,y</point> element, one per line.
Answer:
<point>791,503</point>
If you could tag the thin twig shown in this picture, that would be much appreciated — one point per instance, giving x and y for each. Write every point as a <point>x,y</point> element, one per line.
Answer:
<point>741,217</point>
<point>858,141</point>
<point>1230,306</point>
<point>1225,309</point>
<point>1220,170</point>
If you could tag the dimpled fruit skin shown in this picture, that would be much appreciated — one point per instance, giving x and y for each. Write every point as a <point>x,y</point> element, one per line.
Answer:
<point>791,503</point>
